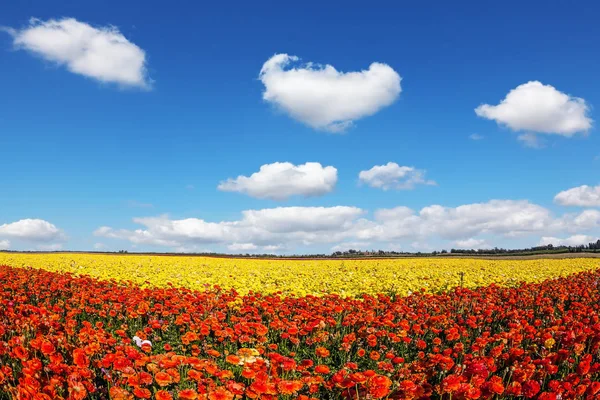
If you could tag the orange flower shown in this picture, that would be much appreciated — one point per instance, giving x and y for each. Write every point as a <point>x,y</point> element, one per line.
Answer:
<point>322,369</point>
<point>118,393</point>
<point>233,359</point>
<point>220,394</point>
<point>163,379</point>
<point>80,359</point>
<point>163,395</point>
<point>142,393</point>
<point>289,387</point>
<point>322,352</point>
<point>187,394</point>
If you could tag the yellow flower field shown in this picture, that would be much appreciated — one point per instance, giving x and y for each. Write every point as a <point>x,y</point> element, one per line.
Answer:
<point>301,277</point>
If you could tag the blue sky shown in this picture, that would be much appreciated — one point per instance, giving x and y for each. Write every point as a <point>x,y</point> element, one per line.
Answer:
<point>117,111</point>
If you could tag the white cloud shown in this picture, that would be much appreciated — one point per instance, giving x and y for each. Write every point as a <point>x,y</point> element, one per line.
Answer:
<point>238,247</point>
<point>295,228</point>
<point>531,140</point>
<point>351,246</point>
<point>506,218</point>
<point>581,196</point>
<point>538,108</point>
<point>101,53</point>
<point>99,246</point>
<point>50,247</point>
<point>575,240</point>
<point>4,244</point>
<point>476,136</point>
<point>472,243</point>
<point>266,227</point>
<point>324,98</point>
<point>393,176</point>
<point>281,180</point>
<point>587,219</point>
<point>31,230</point>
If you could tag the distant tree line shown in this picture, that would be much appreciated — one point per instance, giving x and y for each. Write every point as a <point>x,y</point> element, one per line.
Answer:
<point>592,247</point>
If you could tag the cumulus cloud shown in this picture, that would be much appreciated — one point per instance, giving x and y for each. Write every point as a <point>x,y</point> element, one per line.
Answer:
<point>581,196</point>
<point>239,247</point>
<point>267,227</point>
<point>587,219</point>
<point>393,176</point>
<point>281,180</point>
<point>325,98</point>
<point>4,244</point>
<point>351,246</point>
<point>35,230</point>
<point>531,140</point>
<point>472,243</point>
<point>100,53</point>
<point>537,108</point>
<point>50,247</point>
<point>344,227</point>
<point>575,240</point>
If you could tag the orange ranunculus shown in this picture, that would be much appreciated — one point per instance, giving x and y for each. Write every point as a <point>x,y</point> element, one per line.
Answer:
<point>289,387</point>
<point>187,394</point>
<point>163,395</point>
<point>118,393</point>
<point>142,393</point>
<point>233,359</point>
<point>220,394</point>
<point>163,379</point>
<point>80,358</point>
<point>322,352</point>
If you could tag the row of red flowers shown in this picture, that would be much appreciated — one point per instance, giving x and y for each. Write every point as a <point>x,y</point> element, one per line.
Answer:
<point>63,336</point>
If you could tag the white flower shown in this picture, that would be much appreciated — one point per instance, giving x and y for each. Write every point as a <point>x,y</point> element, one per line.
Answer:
<point>139,342</point>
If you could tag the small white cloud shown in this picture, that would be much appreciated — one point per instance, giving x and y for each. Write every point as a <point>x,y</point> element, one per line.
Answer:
<point>324,98</point>
<point>531,140</point>
<point>242,247</point>
<point>99,246</point>
<point>50,247</point>
<point>575,240</point>
<point>476,136</point>
<point>4,244</point>
<point>351,246</point>
<point>393,176</point>
<point>279,181</point>
<point>535,107</point>
<point>472,243</point>
<point>189,187</point>
<point>32,230</point>
<point>101,53</point>
<point>581,196</point>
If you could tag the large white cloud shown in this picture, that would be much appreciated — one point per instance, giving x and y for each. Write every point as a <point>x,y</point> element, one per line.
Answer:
<point>101,53</point>
<point>505,218</point>
<point>324,98</point>
<point>537,108</point>
<point>393,176</point>
<point>34,230</point>
<point>291,228</point>
<point>575,240</point>
<point>281,180</point>
<point>270,228</point>
<point>581,196</point>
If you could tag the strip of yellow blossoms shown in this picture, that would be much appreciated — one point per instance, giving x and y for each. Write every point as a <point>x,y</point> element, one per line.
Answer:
<point>302,277</point>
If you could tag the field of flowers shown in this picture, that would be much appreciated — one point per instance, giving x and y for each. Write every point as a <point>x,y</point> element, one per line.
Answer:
<point>65,334</point>
<point>304,277</point>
